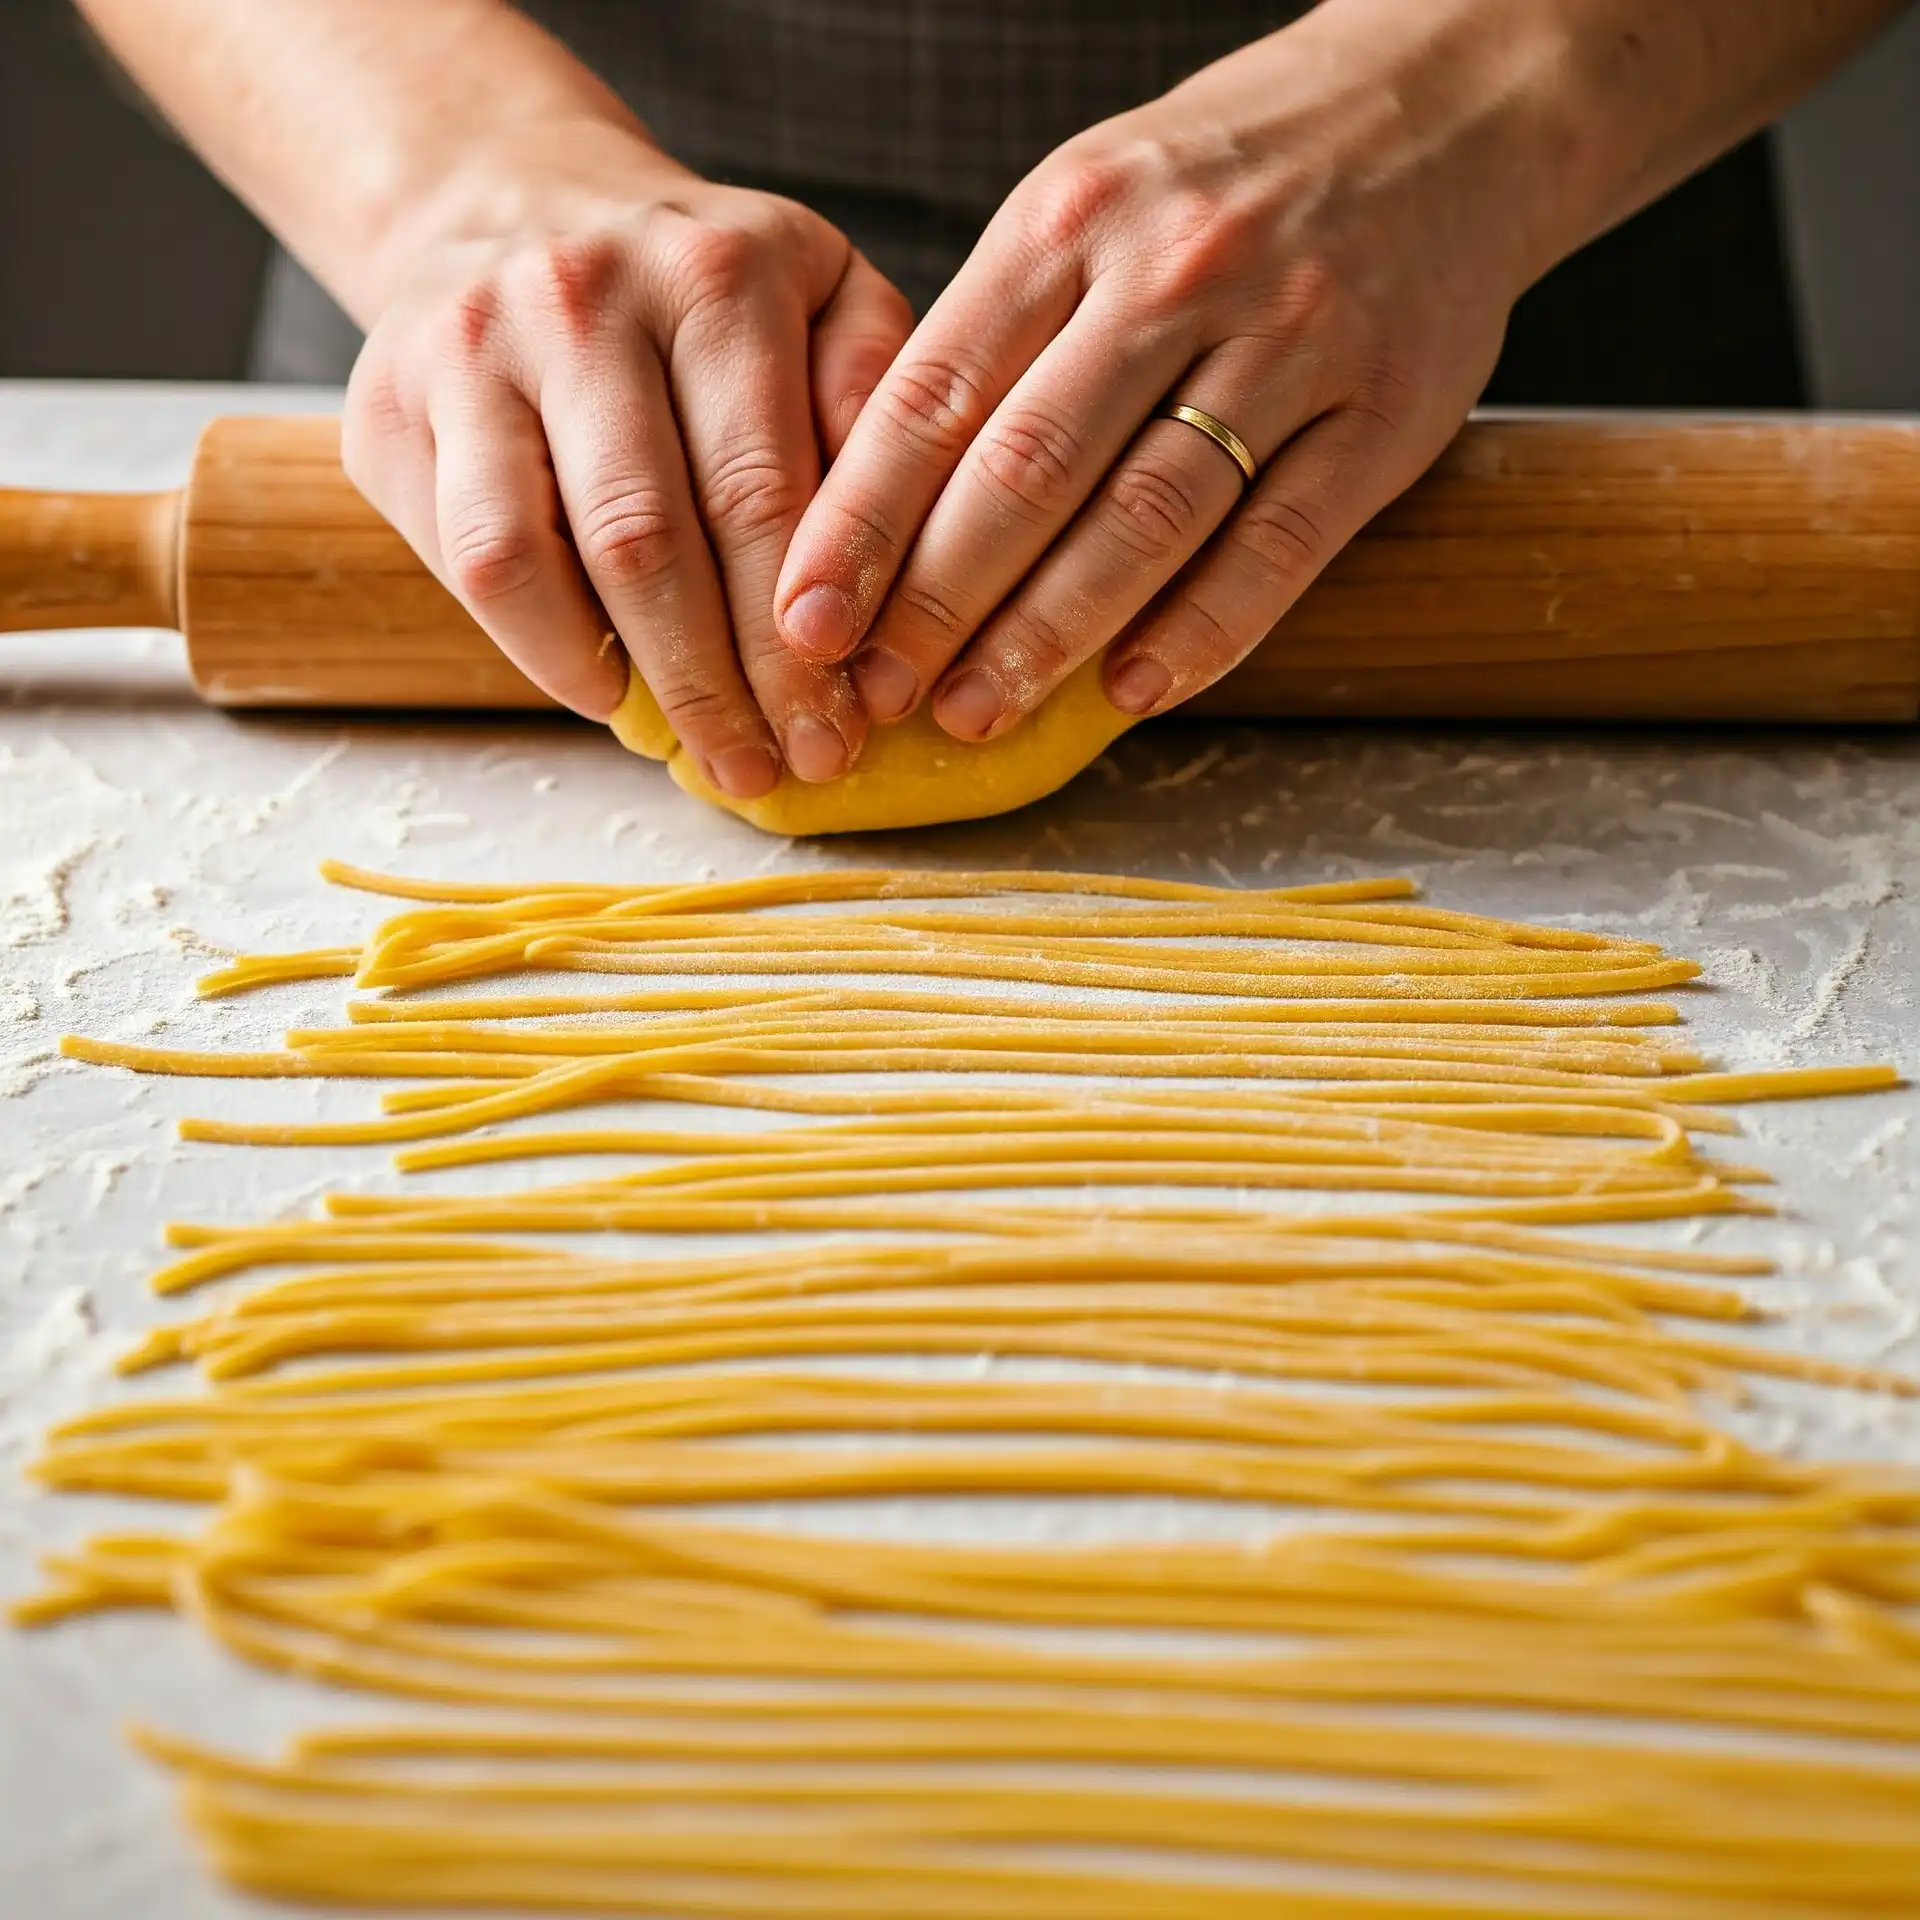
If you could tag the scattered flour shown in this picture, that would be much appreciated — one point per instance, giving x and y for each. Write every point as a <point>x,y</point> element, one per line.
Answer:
<point>63,1347</point>
<point>1185,776</point>
<point>19,1182</point>
<point>20,1073</point>
<point>270,807</point>
<point>33,896</point>
<point>1388,832</point>
<point>66,1326</point>
<point>1831,985</point>
<point>138,902</point>
<point>1879,1140</point>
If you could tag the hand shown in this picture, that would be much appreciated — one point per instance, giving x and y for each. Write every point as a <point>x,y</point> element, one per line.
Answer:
<point>607,383</point>
<point>1317,240</point>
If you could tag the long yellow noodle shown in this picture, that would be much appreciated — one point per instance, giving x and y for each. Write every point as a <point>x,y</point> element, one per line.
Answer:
<point>1509,1623</point>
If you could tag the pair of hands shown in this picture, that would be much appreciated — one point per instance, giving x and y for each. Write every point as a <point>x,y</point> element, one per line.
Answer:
<point>611,384</point>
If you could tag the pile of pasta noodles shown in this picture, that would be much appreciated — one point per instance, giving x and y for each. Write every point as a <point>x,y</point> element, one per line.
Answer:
<point>1026,1394</point>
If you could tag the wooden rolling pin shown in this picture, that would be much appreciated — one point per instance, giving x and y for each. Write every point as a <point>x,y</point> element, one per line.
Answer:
<point>1549,567</point>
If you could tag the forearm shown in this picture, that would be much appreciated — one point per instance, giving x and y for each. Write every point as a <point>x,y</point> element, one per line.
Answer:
<point>1665,85</point>
<point>1591,108</point>
<point>349,125</point>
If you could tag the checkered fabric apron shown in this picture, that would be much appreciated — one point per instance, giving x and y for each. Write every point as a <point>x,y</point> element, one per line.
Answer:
<point>905,122</point>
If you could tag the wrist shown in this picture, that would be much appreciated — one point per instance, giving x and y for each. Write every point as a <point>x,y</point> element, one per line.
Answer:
<point>1488,108</point>
<point>538,175</point>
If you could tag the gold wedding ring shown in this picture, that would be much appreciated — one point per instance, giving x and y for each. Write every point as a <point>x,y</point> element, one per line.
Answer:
<point>1222,436</point>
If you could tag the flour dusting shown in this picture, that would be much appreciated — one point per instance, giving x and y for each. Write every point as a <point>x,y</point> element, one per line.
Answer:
<point>60,1352</point>
<point>1185,776</point>
<point>1831,985</point>
<point>33,895</point>
<point>64,1328</point>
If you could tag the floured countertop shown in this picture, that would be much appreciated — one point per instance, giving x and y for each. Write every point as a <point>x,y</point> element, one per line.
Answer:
<point>145,835</point>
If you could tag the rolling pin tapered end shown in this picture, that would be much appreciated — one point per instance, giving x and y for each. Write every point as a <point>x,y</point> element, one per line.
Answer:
<point>89,560</point>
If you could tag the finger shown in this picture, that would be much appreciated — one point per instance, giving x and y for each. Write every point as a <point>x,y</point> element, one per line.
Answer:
<point>1324,487</point>
<point>623,481</point>
<point>1016,488</point>
<point>856,337</point>
<point>739,372</point>
<point>1151,515</point>
<point>1155,508</point>
<point>387,451</point>
<point>502,547</point>
<point>961,361</point>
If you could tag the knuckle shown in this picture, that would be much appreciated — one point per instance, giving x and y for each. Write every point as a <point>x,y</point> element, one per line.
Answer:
<point>489,561</point>
<point>1388,394</point>
<point>866,535</point>
<point>1199,246</point>
<point>470,323</point>
<point>930,609</point>
<point>937,406</point>
<point>1030,650</point>
<point>1308,302</point>
<point>1152,509</point>
<point>856,545</point>
<point>1284,536</point>
<point>377,396</point>
<point>715,264</point>
<point>627,535</point>
<point>1208,241</point>
<point>751,495</point>
<point>1029,460</point>
<point>375,422</point>
<point>697,711</point>
<point>1078,193</point>
<point>1310,287</point>
<point>575,278</point>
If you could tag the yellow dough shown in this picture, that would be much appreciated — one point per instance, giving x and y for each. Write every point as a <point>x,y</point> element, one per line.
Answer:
<point>911,775</point>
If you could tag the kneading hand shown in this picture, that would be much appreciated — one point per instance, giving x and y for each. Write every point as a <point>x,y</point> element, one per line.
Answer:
<point>1313,240</point>
<point>609,386</point>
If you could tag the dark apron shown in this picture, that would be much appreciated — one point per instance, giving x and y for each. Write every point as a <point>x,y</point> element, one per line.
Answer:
<point>906,122</point>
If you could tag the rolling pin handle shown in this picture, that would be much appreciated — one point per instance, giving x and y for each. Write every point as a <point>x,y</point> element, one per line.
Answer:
<point>89,560</point>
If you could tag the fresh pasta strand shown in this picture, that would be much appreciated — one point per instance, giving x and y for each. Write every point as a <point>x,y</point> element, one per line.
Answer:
<point>1508,1613</point>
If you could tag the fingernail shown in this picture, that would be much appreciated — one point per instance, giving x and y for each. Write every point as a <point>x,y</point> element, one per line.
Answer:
<point>1139,686</point>
<point>970,706</point>
<point>814,750</point>
<point>744,773</point>
<point>820,623</point>
<point>887,684</point>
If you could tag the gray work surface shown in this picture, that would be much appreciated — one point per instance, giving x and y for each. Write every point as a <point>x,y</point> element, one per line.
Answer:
<point>141,833</point>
